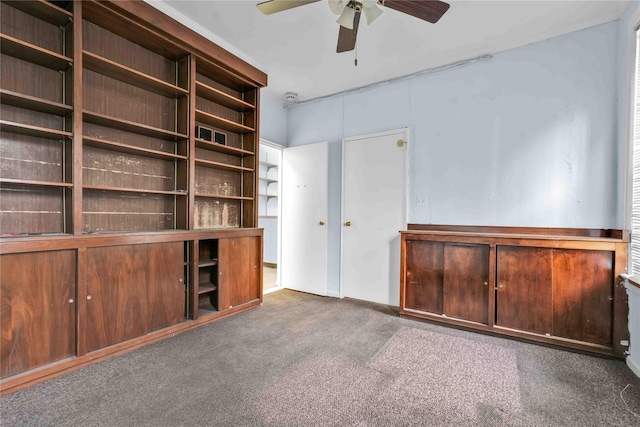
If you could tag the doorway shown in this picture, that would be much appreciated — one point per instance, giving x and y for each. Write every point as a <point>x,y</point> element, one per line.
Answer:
<point>269,212</point>
<point>374,185</point>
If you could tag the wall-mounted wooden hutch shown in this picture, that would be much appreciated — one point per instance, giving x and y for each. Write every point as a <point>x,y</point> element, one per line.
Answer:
<point>119,225</point>
<point>560,287</point>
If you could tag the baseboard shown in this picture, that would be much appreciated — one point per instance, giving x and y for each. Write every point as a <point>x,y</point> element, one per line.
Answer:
<point>270,264</point>
<point>634,365</point>
<point>333,294</point>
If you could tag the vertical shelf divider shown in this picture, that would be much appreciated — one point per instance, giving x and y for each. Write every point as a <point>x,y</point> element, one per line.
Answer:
<point>76,151</point>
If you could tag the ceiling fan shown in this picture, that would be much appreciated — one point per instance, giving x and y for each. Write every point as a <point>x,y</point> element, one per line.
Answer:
<point>349,12</point>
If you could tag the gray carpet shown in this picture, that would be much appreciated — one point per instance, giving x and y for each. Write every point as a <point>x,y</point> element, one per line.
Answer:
<point>302,360</point>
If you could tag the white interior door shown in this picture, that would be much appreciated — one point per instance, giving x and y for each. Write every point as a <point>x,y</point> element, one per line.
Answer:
<point>305,172</point>
<point>373,212</point>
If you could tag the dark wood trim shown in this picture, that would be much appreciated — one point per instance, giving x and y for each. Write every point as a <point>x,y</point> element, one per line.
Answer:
<point>47,243</point>
<point>76,161</point>
<point>524,231</point>
<point>569,242</point>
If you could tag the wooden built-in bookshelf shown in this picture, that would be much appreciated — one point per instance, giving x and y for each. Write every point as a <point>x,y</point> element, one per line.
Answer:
<point>105,183</point>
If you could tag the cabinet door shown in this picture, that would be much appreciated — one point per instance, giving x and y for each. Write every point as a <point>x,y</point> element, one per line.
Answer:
<point>116,285</point>
<point>583,295</point>
<point>38,309</point>
<point>424,265</point>
<point>524,294</point>
<point>239,271</point>
<point>165,284</point>
<point>466,280</point>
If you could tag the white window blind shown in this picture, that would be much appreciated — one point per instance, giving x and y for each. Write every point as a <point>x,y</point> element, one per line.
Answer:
<point>635,208</point>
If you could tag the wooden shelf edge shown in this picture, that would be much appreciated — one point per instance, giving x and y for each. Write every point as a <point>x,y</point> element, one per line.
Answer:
<point>128,126</point>
<point>212,94</point>
<point>222,123</point>
<point>44,10</point>
<point>218,165</point>
<point>205,288</point>
<point>35,183</point>
<point>29,52</point>
<point>208,145</point>
<point>133,190</point>
<point>131,149</point>
<point>109,68</point>
<point>28,102</point>
<point>218,196</point>
<point>7,126</point>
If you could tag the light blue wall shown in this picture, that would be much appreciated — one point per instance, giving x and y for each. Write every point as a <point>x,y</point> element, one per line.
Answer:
<point>273,119</point>
<point>526,138</point>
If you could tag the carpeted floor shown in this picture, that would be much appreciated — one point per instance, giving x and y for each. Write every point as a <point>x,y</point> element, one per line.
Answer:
<point>302,360</point>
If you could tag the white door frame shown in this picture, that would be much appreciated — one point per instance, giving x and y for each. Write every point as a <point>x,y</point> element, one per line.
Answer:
<point>278,147</point>
<point>342,200</point>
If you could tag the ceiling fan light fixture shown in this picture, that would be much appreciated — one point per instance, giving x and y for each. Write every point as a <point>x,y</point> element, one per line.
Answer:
<point>346,18</point>
<point>371,12</point>
<point>337,6</point>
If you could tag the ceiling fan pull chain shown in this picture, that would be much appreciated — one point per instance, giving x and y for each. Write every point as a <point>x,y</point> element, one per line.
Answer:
<point>355,61</point>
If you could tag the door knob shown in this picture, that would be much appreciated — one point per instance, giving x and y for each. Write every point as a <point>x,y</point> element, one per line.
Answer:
<point>348,223</point>
<point>321,223</point>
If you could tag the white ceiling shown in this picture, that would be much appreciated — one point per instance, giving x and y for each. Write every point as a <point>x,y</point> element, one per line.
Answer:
<point>297,48</point>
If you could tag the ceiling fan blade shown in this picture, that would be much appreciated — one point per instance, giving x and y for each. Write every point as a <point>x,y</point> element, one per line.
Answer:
<point>427,10</point>
<point>275,6</point>
<point>347,37</point>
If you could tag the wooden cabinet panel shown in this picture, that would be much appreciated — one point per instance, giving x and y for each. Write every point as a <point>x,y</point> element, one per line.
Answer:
<point>38,309</point>
<point>239,271</point>
<point>425,267</point>
<point>116,284</point>
<point>583,295</point>
<point>524,295</point>
<point>134,289</point>
<point>165,280</point>
<point>465,283</point>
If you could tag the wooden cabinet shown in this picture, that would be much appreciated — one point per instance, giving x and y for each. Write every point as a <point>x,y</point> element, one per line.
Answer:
<point>239,271</point>
<point>107,189</point>
<point>132,290</point>
<point>466,282</point>
<point>229,274</point>
<point>583,295</point>
<point>38,309</point>
<point>447,279</point>
<point>424,276</point>
<point>524,291</point>
<point>554,286</point>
